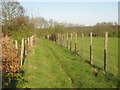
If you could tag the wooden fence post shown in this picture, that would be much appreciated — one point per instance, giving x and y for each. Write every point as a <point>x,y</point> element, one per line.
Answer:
<point>31,41</point>
<point>11,43</point>
<point>25,46</point>
<point>58,38</point>
<point>71,42</point>
<point>16,46</point>
<point>22,51</point>
<point>54,38</point>
<point>105,51</point>
<point>62,39</point>
<point>48,37</point>
<point>75,41</point>
<point>28,41</point>
<point>67,40</point>
<point>91,53</point>
<point>82,47</point>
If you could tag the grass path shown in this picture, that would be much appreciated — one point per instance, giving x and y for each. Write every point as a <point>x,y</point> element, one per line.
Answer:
<point>52,66</point>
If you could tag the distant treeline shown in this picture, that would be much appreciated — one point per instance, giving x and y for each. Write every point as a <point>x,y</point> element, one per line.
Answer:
<point>17,24</point>
<point>98,30</point>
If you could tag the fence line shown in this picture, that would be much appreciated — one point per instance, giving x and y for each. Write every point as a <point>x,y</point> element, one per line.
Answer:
<point>63,40</point>
<point>26,46</point>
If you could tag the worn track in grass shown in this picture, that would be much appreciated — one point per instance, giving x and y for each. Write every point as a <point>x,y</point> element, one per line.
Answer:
<point>51,66</point>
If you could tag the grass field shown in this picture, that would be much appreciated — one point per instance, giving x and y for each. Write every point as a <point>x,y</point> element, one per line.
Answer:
<point>98,52</point>
<point>51,66</point>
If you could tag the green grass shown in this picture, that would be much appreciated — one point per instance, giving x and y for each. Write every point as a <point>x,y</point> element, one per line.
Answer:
<point>51,66</point>
<point>98,52</point>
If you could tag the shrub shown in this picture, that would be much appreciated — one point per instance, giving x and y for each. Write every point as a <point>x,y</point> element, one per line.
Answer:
<point>10,61</point>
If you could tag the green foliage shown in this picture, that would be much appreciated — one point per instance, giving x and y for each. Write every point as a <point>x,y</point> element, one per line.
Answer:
<point>23,32</point>
<point>39,33</point>
<point>56,29</point>
<point>59,28</point>
<point>97,30</point>
<point>13,80</point>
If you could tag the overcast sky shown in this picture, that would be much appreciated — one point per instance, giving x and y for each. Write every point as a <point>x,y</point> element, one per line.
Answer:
<point>87,13</point>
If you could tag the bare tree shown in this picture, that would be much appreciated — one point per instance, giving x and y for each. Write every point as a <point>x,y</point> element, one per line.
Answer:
<point>51,22</point>
<point>40,22</point>
<point>11,10</point>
